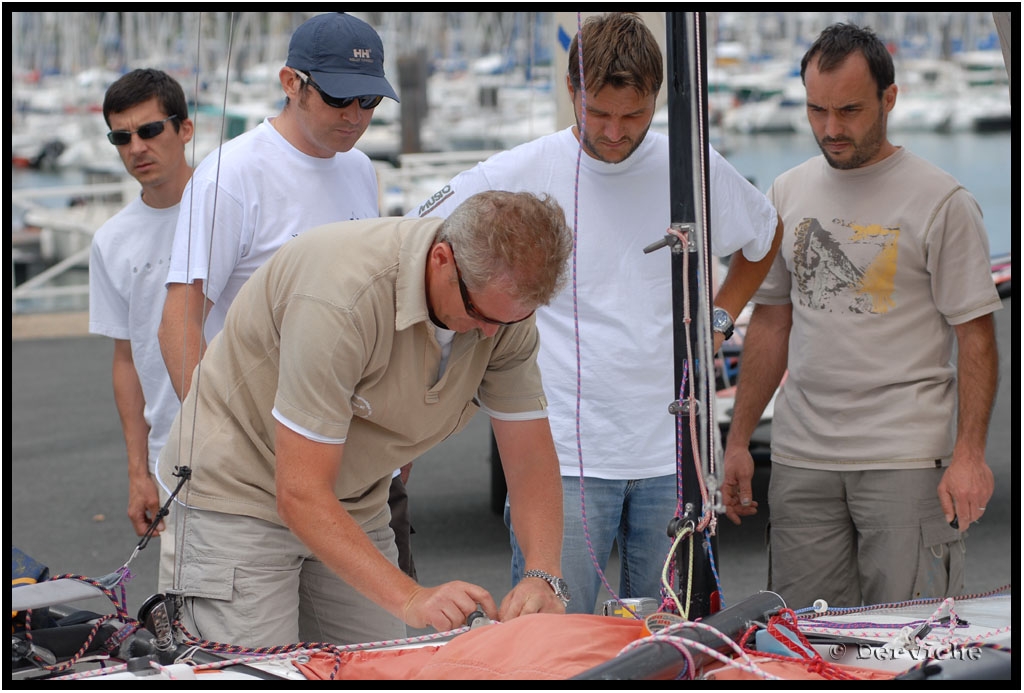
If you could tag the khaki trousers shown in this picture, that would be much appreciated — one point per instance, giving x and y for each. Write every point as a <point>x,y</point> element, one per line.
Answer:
<point>853,538</point>
<point>252,583</point>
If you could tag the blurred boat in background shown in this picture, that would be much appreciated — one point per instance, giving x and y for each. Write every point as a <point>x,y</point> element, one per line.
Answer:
<point>471,83</point>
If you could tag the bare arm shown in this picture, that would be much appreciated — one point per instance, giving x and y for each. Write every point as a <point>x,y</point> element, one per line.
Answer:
<point>535,495</point>
<point>181,332</point>
<point>765,353</point>
<point>143,499</point>
<point>306,471</point>
<point>967,484</point>
<point>743,279</point>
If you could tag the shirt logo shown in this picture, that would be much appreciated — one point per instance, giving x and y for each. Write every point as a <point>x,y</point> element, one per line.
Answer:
<point>436,199</point>
<point>361,407</point>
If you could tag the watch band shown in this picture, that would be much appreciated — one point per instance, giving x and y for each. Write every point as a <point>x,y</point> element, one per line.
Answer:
<point>558,584</point>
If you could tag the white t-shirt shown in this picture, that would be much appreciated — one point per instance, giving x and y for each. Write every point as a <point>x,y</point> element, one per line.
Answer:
<point>251,198</point>
<point>127,267</point>
<point>622,296</point>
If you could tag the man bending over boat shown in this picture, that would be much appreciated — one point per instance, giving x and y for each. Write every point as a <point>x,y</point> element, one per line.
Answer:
<point>356,348</point>
<point>878,439</point>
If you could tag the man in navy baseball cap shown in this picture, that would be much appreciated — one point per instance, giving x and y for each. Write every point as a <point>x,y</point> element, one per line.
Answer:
<point>294,171</point>
<point>343,54</point>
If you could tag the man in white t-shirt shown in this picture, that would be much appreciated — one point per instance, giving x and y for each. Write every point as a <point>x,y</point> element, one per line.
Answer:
<point>292,172</point>
<point>148,118</point>
<point>620,310</point>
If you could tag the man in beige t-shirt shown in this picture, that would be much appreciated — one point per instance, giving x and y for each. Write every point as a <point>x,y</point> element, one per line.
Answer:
<point>355,349</point>
<point>879,307</point>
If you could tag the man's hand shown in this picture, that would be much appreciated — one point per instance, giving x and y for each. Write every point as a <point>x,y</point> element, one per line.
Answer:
<point>736,492</point>
<point>446,607</point>
<point>530,596</point>
<point>966,487</point>
<point>143,504</point>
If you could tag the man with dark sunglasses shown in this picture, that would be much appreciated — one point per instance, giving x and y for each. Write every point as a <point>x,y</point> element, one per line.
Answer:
<point>292,172</point>
<point>470,308</point>
<point>365,102</point>
<point>357,347</point>
<point>148,118</point>
<point>145,132</point>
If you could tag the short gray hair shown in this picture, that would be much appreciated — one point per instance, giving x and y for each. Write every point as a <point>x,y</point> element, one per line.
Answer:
<point>516,240</point>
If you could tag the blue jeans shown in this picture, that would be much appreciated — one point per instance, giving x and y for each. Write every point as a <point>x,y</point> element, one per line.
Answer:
<point>635,513</point>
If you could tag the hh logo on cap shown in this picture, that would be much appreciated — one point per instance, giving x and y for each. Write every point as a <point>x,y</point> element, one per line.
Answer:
<point>361,53</point>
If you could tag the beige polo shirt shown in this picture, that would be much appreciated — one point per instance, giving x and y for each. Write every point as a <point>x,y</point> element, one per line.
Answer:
<point>333,331</point>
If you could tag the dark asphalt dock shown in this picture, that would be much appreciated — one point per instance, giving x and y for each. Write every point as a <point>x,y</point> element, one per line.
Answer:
<point>67,491</point>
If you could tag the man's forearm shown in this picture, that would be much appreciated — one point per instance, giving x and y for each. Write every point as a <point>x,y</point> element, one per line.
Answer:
<point>535,490</point>
<point>762,365</point>
<point>182,342</point>
<point>131,405</point>
<point>977,380</point>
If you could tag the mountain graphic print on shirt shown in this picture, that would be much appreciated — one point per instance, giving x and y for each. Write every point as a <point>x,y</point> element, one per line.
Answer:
<point>851,269</point>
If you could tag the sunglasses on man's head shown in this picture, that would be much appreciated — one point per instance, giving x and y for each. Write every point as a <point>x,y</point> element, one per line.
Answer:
<point>146,132</point>
<point>365,102</point>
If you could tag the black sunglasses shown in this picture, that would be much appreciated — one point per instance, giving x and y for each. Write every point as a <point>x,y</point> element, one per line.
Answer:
<point>146,132</point>
<point>365,102</point>
<point>467,302</point>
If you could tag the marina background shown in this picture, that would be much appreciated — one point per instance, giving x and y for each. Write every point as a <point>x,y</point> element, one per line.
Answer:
<point>987,164</point>
<point>470,83</point>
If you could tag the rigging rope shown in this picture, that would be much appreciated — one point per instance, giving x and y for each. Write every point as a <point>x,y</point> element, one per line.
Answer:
<point>185,471</point>
<point>582,127</point>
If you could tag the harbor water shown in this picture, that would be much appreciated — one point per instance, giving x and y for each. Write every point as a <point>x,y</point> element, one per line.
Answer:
<point>982,162</point>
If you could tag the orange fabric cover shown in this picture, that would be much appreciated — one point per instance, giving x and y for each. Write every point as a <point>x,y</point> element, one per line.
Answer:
<point>793,671</point>
<point>368,665</point>
<point>537,646</point>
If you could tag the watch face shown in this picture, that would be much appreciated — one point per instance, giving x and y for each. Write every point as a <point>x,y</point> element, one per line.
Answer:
<point>563,589</point>
<point>721,322</point>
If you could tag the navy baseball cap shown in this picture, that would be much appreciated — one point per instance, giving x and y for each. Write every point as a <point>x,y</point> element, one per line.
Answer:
<point>344,54</point>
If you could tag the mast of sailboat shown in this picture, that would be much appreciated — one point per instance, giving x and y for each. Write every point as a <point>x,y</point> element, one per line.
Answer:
<point>686,53</point>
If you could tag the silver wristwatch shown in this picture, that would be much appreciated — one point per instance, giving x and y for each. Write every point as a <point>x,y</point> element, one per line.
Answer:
<point>721,321</point>
<point>558,584</point>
